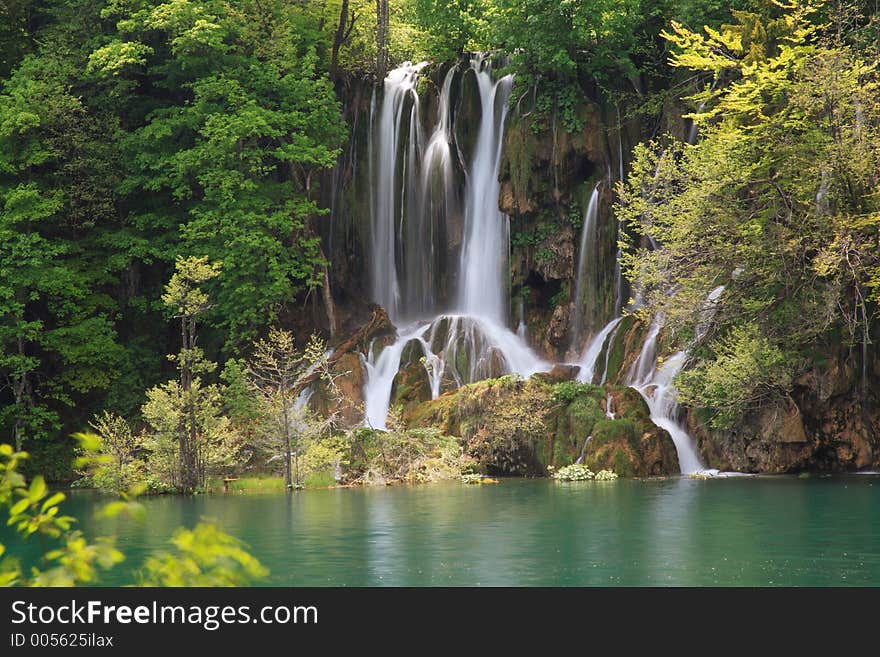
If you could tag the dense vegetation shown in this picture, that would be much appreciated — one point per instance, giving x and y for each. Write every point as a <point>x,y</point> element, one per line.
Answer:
<point>777,202</point>
<point>160,172</point>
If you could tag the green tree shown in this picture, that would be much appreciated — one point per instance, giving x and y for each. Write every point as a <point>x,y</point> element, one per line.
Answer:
<point>277,372</point>
<point>777,202</point>
<point>241,122</point>
<point>58,344</point>
<point>188,301</point>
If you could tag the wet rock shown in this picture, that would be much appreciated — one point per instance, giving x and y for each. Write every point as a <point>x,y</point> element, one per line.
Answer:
<point>784,437</point>
<point>557,255</point>
<point>558,373</point>
<point>559,329</point>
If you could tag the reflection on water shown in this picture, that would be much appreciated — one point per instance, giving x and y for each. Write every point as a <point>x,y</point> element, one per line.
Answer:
<point>764,531</point>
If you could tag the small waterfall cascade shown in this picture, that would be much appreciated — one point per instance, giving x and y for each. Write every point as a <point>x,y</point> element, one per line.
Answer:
<point>645,364</point>
<point>594,350</point>
<point>580,458</point>
<point>653,380</point>
<point>587,268</point>
<point>608,350</point>
<point>414,189</point>
<point>455,350</point>
<point>662,399</point>
<point>521,329</point>
<point>381,367</point>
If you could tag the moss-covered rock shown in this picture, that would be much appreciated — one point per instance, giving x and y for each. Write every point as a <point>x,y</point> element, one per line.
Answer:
<point>411,384</point>
<point>514,426</point>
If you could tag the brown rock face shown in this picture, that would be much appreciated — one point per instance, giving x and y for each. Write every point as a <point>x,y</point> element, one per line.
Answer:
<point>557,261</point>
<point>558,331</point>
<point>558,373</point>
<point>347,402</point>
<point>824,426</point>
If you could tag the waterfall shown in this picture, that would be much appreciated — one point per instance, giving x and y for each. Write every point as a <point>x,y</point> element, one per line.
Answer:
<point>608,350</point>
<point>398,87</point>
<point>456,350</point>
<point>521,329</point>
<point>591,353</point>
<point>381,370</point>
<point>482,276</point>
<point>587,259</point>
<point>662,400</point>
<point>580,458</point>
<point>647,360</point>
<point>653,381</point>
<point>414,195</point>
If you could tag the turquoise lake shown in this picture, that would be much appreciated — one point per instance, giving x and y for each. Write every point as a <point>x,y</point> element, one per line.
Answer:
<point>738,531</point>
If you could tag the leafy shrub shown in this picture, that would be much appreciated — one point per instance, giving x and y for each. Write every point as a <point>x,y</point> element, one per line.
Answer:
<point>573,472</point>
<point>567,391</point>
<point>605,475</point>
<point>746,371</point>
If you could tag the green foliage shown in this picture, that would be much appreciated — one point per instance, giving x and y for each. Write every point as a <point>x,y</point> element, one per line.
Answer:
<point>324,461</point>
<point>249,484</point>
<point>566,392</point>
<point>614,431</point>
<point>605,475</point>
<point>131,133</point>
<point>412,456</point>
<point>277,372</point>
<point>203,556</point>
<point>167,409</point>
<point>777,202</point>
<point>58,345</point>
<point>233,150</point>
<point>746,369</point>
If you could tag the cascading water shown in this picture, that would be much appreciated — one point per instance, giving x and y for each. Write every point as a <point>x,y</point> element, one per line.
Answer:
<point>414,188</point>
<point>482,279</point>
<point>653,381</point>
<point>588,268</point>
<point>591,354</point>
<point>399,89</point>
<point>381,370</point>
<point>662,400</point>
<point>413,191</point>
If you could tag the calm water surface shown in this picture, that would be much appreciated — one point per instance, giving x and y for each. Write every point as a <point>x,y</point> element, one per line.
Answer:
<point>737,531</point>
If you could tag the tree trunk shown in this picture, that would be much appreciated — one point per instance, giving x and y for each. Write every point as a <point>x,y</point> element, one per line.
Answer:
<point>184,391</point>
<point>20,393</point>
<point>288,484</point>
<point>187,435</point>
<point>329,305</point>
<point>381,38</point>
<point>338,40</point>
